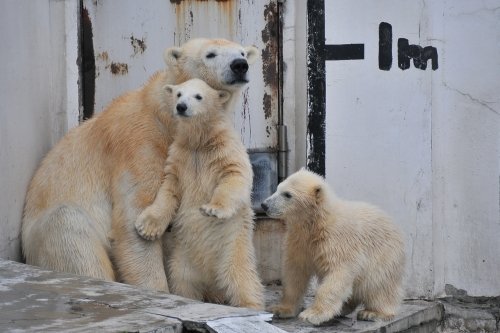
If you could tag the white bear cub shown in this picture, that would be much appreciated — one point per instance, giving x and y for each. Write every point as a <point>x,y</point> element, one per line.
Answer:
<point>206,197</point>
<point>353,248</point>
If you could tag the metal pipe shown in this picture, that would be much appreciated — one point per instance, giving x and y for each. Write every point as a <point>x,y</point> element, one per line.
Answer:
<point>281,127</point>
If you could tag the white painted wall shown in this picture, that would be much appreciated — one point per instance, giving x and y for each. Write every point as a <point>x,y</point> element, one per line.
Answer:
<point>38,98</point>
<point>423,145</point>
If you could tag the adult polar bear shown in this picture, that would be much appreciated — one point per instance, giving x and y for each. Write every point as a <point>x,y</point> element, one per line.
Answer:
<point>94,183</point>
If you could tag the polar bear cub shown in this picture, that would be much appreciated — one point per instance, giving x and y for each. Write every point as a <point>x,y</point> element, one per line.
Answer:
<point>352,247</point>
<point>206,197</point>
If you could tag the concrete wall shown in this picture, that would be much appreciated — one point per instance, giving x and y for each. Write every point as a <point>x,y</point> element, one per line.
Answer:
<point>422,144</point>
<point>38,98</point>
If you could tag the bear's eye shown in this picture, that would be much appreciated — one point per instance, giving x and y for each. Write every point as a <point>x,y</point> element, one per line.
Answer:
<point>179,95</point>
<point>198,97</point>
<point>287,195</point>
<point>211,55</point>
<point>242,54</point>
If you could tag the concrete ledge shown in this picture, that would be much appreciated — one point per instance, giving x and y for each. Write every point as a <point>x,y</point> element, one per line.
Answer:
<point>414,316</point>
<point>33,299</point>
<point>471,314</point>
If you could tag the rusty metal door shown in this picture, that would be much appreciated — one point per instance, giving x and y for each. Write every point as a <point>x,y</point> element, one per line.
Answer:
<point>123,42</point>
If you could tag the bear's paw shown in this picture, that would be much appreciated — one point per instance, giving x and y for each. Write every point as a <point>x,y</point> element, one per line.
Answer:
<point>315,316</point>
<point>217,211</point>
<point>373,315</point>
<point>283,311</point>
<point>149,225</point>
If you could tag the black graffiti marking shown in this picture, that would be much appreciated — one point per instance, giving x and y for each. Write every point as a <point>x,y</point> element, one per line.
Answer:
<point>345,52</point>
<point>406,52</point>
<point>384,46</point>
<point>419,54</point>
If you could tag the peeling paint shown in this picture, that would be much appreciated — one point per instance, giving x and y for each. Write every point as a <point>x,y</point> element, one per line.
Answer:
<point>103,56</point>
<point>316,86</point>
<point>187,12</point>
<point>118,68</point>
<point>245,114</point>
<point>268,105</point>
<point>139,45</point>
<point>178,2</point>
<point>88,68</point>
<point>270,57</point>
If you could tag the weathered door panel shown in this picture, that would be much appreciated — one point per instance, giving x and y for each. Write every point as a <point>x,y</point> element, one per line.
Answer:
<point>128,39</point>
<point>123,43</point>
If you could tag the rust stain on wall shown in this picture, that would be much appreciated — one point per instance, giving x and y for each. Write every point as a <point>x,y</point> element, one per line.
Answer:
<point>177,2</point>
<point>189,12</point>
<point>103,56</point>
<point>268,105</point>
<point>118,68</point>
<point>88,66</point>
<point>270,57</point>
<point>139,45</point>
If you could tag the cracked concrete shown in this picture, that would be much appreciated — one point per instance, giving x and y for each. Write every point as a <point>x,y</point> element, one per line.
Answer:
<point>464,313</point>
<point>473,99</point>
<point>34,299</point>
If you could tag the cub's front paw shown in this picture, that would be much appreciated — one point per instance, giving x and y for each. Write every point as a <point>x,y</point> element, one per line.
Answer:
<point>217,211</point>
<point>314,316</point>
<point>283,311</point>
<point>149,225</point>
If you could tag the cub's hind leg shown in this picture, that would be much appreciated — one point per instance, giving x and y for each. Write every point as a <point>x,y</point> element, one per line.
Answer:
<point>184,279</point>
<point>237,272</point>
<point>381,305</point>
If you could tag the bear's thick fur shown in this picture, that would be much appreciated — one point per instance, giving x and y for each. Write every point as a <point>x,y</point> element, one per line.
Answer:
<point>85,197</point>
<point>206,197</point>
<point>353,248</point>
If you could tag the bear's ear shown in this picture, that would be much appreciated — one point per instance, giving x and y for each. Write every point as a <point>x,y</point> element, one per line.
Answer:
<point>318,193</point>
<point>169,88</point>
<point>252,54</point>
<point>224,96</point>
<point>172,55</point>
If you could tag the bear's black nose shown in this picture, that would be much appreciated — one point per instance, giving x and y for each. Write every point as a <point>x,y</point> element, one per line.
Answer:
<point>264,207</point>
<point>181,108</point>
<point>239,66</point>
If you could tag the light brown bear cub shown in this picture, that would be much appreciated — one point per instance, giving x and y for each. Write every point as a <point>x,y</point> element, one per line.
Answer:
<point>352,247</point>
<point>206,197</point>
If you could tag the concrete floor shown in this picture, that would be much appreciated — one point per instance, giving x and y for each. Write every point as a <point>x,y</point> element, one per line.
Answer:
<point>33,299</point>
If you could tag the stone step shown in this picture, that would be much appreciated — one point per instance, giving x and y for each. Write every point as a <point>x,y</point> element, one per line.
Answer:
<point>33,299</point>
<point>414,316</point>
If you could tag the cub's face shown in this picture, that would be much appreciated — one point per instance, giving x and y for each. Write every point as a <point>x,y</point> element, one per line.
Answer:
<point>220,63</point>
<point>195,97</point>
<point>296,196</point>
